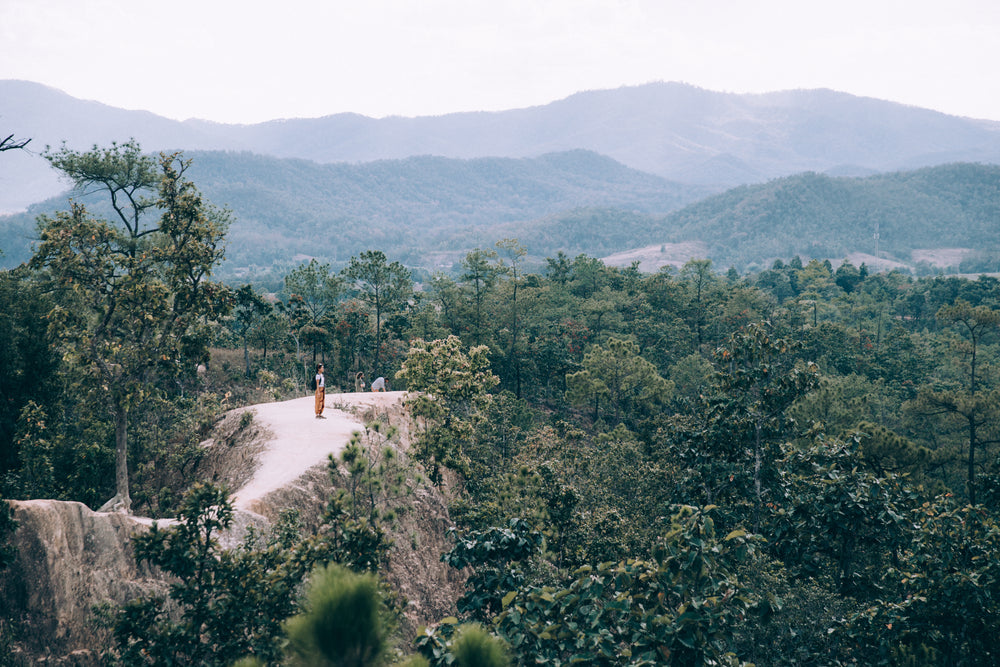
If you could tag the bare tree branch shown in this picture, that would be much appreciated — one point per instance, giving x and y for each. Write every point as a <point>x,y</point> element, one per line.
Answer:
<point>10,143</point>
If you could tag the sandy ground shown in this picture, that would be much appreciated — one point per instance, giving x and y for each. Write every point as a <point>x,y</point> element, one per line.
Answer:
<point>300,441</point>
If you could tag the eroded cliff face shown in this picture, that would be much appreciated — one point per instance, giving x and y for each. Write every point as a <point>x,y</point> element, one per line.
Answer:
<point>72,560</point>
<point>69,560</point>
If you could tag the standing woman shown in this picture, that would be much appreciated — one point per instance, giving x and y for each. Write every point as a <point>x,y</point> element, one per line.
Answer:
<point>320,392</point>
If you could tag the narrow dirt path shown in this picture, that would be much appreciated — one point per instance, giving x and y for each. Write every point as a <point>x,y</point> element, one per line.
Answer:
<point>300,441</point>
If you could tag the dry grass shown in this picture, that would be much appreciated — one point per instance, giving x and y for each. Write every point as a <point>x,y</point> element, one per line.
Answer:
<point>942,257</point>
<point>652,258</point>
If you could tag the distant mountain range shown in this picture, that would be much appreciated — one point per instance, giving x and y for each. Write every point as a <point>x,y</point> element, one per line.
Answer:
<point>741,179</point>
<point>676,131</point>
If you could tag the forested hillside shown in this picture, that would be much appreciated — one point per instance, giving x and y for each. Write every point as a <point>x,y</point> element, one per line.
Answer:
<point>951,206</point>
<point>428,212</point>
<point>413,208</point>
<point>796,466</point>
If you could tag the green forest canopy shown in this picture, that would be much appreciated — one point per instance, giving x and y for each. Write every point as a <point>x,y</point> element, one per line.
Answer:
<point>799,465</point>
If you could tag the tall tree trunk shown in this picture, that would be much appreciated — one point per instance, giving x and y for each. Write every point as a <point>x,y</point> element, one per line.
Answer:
<point>512,360</point>
<point>246,358</point>
<point>972,424</point>
<point>972,457</point>
<point>479,319</point>
<point>378,339</point>
<point>121,455</point>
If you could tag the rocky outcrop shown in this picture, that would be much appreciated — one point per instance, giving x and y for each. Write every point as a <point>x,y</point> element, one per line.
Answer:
<point>72,561</point>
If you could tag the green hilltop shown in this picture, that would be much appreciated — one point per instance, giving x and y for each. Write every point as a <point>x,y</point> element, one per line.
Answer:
<point>817,216</point>
<point>429,211</point>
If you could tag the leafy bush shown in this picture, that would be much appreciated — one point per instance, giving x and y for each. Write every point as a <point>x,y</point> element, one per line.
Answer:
<point>474,647</point>
<point>224,604</point>
<point>678,608</point>
<point>345,622</point>
<point>946,607</point>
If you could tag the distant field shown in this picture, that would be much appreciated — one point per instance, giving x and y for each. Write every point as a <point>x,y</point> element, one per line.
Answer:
<point>652,258</point>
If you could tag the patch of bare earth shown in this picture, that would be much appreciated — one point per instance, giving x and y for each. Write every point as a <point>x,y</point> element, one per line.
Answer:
<point>652,258</point>
<point>873,263</point>
<point>942,257</point>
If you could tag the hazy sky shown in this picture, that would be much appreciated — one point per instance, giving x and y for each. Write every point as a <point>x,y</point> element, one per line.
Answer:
<point>248,61</point>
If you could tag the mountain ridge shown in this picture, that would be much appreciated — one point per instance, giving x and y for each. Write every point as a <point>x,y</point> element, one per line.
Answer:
<point>820,216</point>
<point>428,212</point>
<point>288,207</point>
<point>677,131</point>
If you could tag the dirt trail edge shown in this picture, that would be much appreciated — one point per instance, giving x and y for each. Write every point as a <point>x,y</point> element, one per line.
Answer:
<point>299,441</point>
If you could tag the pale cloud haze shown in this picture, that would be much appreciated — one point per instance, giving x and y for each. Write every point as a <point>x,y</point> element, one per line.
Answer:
<point>248,61</point>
